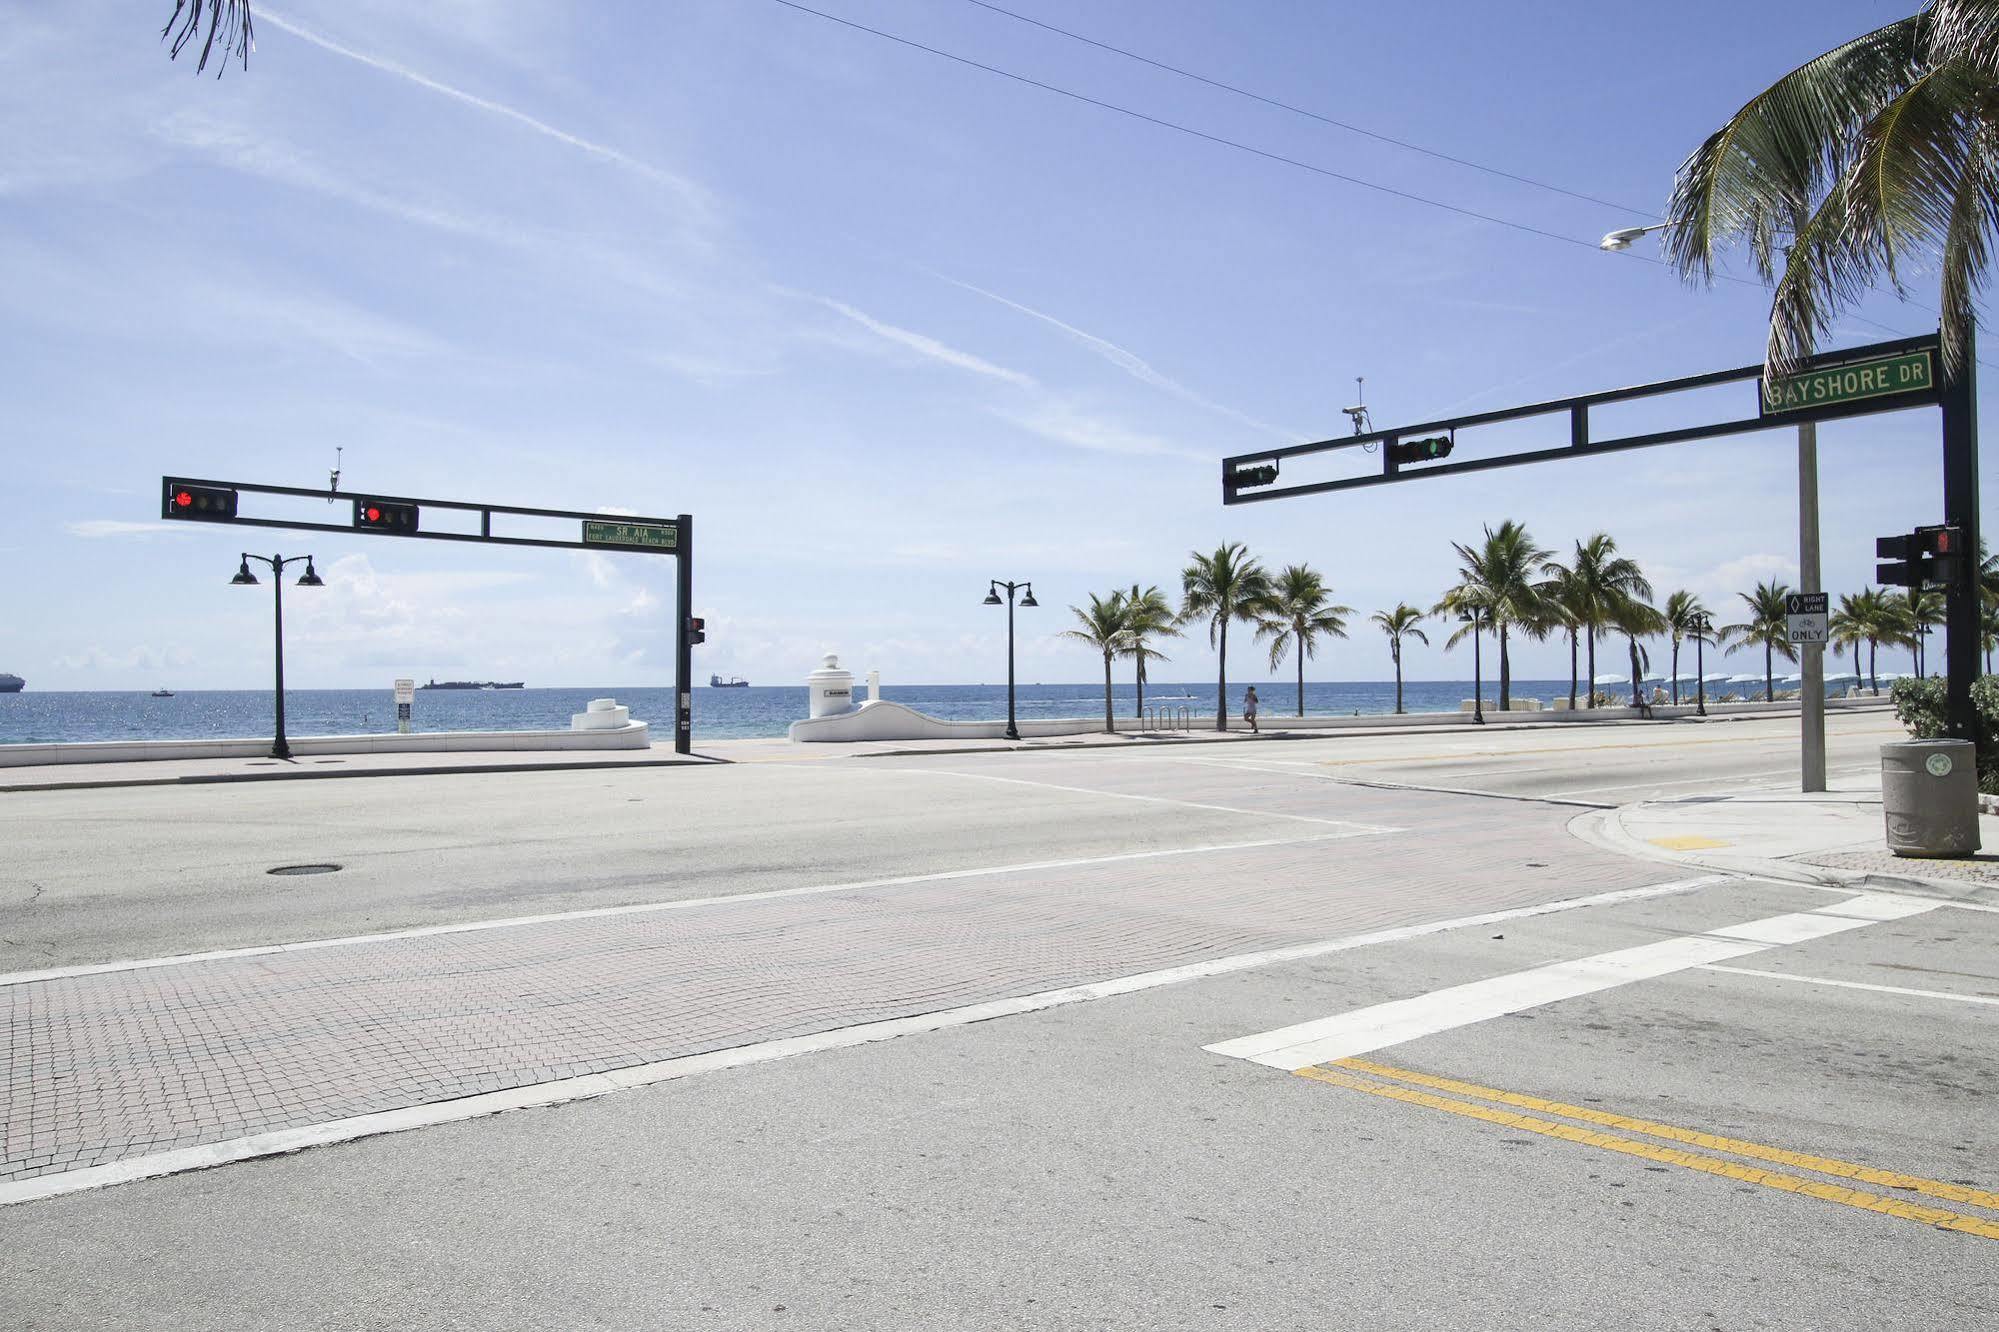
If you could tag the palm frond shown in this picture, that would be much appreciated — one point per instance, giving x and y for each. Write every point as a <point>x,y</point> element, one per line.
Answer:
<point>228,24</point>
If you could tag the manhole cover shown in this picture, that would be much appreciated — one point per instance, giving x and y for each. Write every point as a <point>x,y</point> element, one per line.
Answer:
<point>303,869</point>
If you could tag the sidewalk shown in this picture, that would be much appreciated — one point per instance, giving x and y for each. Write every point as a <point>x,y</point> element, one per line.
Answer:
<point>1833,839</point>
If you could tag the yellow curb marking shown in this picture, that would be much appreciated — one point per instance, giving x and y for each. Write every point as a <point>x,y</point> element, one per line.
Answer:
<point>1857,1198</point>
<point>1688,842</point>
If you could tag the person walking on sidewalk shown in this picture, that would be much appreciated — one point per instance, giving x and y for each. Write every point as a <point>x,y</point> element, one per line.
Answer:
<point>1249,707</point>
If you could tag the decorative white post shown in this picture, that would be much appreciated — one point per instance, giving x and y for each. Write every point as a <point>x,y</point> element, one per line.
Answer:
<point>830,689</point>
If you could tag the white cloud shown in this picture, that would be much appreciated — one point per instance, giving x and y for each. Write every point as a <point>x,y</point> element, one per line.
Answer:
<point>1066,425</point>
<point>94,528</point>
<point>926,346</point>
<point>689,192</point>
<point>1134,365</point>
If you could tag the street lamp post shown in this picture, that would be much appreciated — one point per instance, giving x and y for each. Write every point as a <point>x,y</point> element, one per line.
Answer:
<point>310,578</point>
<point>1702,627</point>
<point>1472,617</point>
<point>1027,601</point>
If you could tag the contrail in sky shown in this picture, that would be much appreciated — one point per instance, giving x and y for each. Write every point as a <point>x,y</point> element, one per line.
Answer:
<point>692,192</point>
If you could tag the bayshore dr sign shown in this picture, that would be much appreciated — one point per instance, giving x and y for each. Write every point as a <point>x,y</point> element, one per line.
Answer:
<point>644,536</point>
<point>1911,372</point>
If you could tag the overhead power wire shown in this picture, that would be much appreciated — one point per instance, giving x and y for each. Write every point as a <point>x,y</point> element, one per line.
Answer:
<point>1188,130</point>
<point>1310,114</point>
<point>1269,156</point>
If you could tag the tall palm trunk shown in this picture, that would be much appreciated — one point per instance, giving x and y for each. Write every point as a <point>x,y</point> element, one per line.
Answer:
<point>1873,681</point>
<point>1632,644</point>
<point>1676,670</point>
<point>1138,709</point>
<point>1395,651</point>
<point>1505,670</point>
<point>1591,636</point>
<point>1769,673</point>
<point>1222,679</point>
<point>1301,679</point>
<point>1110,725</point>
<point>1572,669</point>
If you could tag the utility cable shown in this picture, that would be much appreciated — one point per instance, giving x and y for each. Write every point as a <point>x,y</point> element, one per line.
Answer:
<point>1348,126</point>
<point>1279,158</point>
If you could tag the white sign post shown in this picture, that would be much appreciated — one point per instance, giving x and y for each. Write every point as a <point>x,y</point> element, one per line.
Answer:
<point>405,698</point>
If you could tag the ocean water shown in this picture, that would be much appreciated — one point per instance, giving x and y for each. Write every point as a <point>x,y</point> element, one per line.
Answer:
<point>41,717</point>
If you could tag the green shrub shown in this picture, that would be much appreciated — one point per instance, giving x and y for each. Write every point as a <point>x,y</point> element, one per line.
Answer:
<point>1920,706</point>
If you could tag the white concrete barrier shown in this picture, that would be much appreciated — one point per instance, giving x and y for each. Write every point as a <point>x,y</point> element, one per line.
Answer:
<point>629,735</point>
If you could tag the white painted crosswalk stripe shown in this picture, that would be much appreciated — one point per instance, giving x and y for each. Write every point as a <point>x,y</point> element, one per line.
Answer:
<point>1381,1025</point>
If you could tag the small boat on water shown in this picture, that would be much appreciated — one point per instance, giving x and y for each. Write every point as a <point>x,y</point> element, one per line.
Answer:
<point>11,684</point>
<point>163,693</point>
<point>733,682</point>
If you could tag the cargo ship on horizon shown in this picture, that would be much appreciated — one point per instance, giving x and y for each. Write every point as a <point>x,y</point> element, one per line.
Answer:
<point>472,684</point>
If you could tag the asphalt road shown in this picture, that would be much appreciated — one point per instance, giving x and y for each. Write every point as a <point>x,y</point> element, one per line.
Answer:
<point>94,876</point>
<point>1093,1167</point>
<point>1604,1095</point>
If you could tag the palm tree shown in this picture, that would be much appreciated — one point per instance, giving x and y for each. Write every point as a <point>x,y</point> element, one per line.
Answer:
<point>1399,624</point>
<point>1878,619</point>
<point>1498,575</point>
<point>1227,585</point>
<point>1299,612</point>
<point>1103,627</point>
<point>1565,612</point>
<point>229,31</point>
<point>1596,585</point>
<point>1767,624</point>
<point>1918,610</point>
<point>1683,613</point>
<point>1635,620</point>
<point>1875,160</point>
<point>1145,613</point>
<point>1849,628</point>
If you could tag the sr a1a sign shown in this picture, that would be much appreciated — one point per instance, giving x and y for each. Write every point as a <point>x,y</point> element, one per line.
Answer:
<point>1805,615</point>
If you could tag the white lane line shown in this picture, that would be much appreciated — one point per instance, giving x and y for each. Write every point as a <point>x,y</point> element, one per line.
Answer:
<point>1316,1042</point>
<point>590,1085</point>
<point>1148,799</point>
<point>681,904</point>
<point>1853,985</point>
<point>1383,784</point>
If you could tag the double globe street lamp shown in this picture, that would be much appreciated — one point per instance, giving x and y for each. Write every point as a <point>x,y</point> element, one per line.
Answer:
<point>310,578</point>
<point>1026,601</point>
<point>1478,618</point>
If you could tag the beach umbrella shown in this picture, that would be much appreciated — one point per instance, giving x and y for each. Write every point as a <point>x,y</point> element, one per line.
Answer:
<point>1613,679</point>
<point>1719,677</point>
<point>1830,676</point>
<point>1684,677</point>
<point>1744,679</point>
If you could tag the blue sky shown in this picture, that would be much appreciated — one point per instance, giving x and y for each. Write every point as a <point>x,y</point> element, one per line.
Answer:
<point>887,326</point>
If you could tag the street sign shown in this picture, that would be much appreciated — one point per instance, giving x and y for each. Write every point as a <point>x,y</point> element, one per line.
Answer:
<point>643,536</point>
<point>1805,616</point>
<point>1909,372</point>
<point>405,705</point>
<point>405,691</point>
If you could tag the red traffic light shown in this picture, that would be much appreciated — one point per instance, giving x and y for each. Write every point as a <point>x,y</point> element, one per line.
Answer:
<point>389,516</point>
<point>208,504</point>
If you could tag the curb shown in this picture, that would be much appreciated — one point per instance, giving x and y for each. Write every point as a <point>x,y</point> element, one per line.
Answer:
<point>1605,830</point>
<point>428,770</point>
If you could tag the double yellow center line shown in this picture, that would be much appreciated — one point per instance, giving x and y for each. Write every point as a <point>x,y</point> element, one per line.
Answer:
<point>1492,1106</point>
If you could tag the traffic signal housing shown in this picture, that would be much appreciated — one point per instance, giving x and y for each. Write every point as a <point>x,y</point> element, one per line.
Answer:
<point>397,519</point>
<point>1429,449</point>
<point>1259,474</point>
<point>1926,557</point>
<point>696,627</point>
<point>202,504</point>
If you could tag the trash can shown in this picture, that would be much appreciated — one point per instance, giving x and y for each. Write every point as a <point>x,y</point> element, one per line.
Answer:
<point>1929,797</point>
